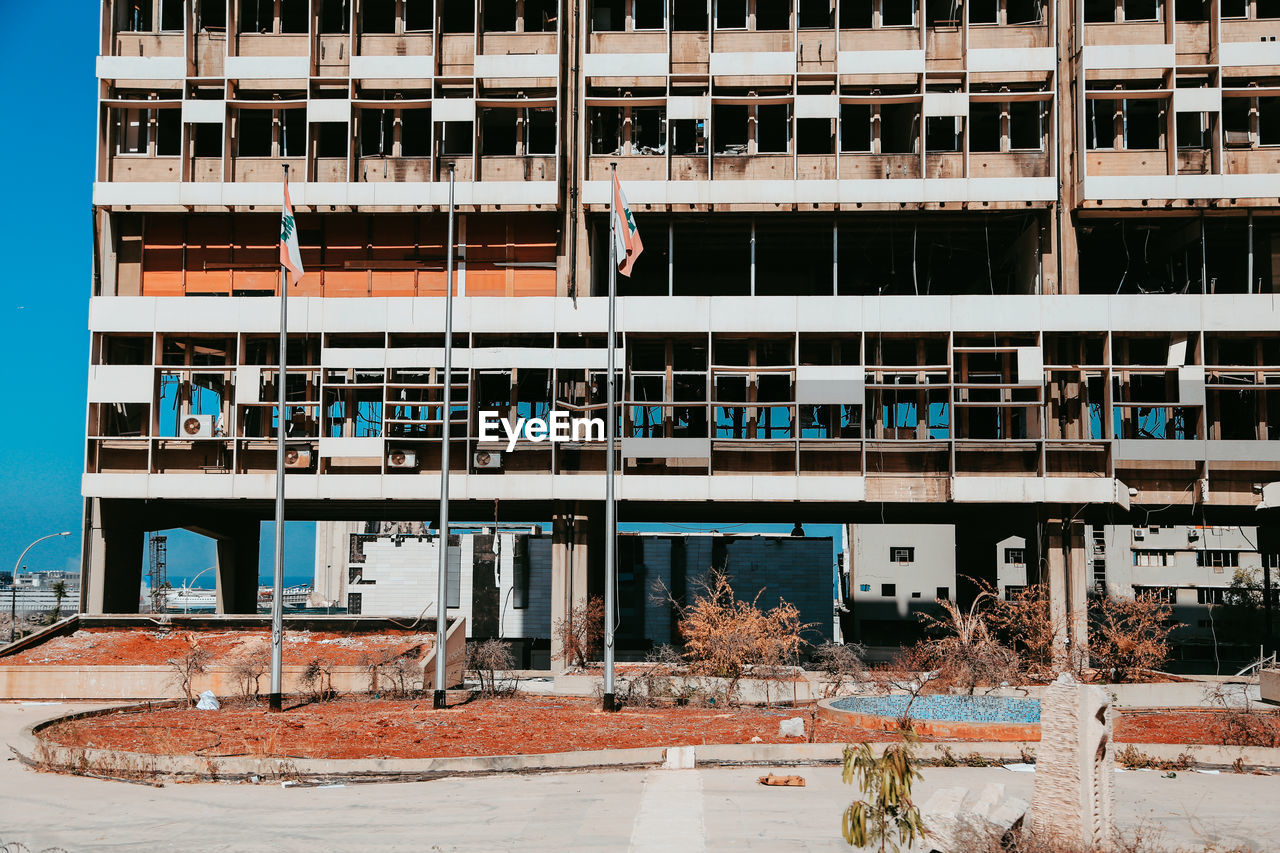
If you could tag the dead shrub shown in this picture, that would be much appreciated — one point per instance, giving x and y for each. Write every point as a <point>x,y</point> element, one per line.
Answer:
<point>1025,624</point>
<point>842,667</point>
<point>963,650</point>
<point>581,632</point>
<point>1129,636</point>
<point>248,669</point>
<point>317,679</point>
<point>186,668</point>
<point>486,661</point>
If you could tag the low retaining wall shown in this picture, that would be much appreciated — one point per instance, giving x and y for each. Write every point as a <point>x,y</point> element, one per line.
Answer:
<point>1270,686</point>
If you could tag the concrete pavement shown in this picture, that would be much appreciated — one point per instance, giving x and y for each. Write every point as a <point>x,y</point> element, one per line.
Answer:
<point>711,809</point>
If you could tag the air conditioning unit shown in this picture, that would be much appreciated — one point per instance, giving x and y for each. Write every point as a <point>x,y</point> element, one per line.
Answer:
<point>487,460</point>
<point>197,426</point>
<point>402,459</point>
<point>297,456</point>
<point>1192,534</point>
<point>1139,534</point>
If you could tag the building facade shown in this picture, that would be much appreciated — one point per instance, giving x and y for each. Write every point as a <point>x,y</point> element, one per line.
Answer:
<point>920,261</point>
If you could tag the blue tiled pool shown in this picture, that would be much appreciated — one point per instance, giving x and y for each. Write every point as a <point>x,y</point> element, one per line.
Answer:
<point>968,709</point>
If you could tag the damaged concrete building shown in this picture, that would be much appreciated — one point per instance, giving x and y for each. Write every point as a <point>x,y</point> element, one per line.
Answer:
<point>1003,264</point>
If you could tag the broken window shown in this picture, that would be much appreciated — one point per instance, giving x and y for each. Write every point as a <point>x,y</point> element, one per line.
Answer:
<point>415,133</point>
<point>773,14</point>
<point>378,16</point>
<point>688,136</point>
<point>649,14</point>
<point>1142,10</point>
<point>1269,121</point>
<point>253,133</point>
<point>773,128</point>
<point>1268,9</point>
<point>1023,12</point>
<point>1143,121</point>
<point>943,13</point>
<point>168,133</point>
<point>540,131</point>
<point>293,132</point>
<point>499,16</point>
<point>855,127</point>
<point>1235,122</point>
<point>899,128</point>
<point>211,14</point>
<point>647,131</point>
<point>539,16</point>
<point>458,16</point>
<point>1190,10</point>
<point>1026,132</point>
<point>813,136</point>
<point>688,15</point>
<point>898,13</point>
<point>131,131</point>
<point>334,16</point>
<point>257,16</point>
<point>729,128</point>
<point>1192,130</point>
<point>419,16</point>
<point>1100,124</point>
<point>606,130</point>
<point>944,134</point>
<point>731,14</point>
<point>1099,11</point>
<point>497,132</point>
<point>171,16</point>
<point>984,12</point>
<point>294,16</point>
<point>608,15</point>
<point>814,13</point>
<point>984,126</point>
<point>331,138</point>
<point>208,140</point>
<point>137,16</point>
<point>456,138</point>
<point>856,14</point>
<point>1235,8</point>
<point>377,132</point>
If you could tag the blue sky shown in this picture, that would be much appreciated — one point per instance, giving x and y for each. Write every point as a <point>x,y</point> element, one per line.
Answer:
<point>46,286</point>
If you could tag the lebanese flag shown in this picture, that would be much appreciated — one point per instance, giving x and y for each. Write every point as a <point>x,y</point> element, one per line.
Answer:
<point>290,256</point>
<point>626,237</point>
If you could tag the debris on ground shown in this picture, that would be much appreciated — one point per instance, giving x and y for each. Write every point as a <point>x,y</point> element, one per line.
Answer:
<point>782,781</point>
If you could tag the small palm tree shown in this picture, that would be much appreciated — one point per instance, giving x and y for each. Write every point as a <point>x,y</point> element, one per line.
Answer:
<point>59,593</point>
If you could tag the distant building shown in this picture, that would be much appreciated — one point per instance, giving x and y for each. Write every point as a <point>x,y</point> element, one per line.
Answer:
<point>34,593</point>
<point>897,571</point>
<point>1011,565</point>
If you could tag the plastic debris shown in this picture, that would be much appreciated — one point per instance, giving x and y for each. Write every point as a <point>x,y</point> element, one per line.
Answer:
<point>208,702</point>
<point>793,727</point>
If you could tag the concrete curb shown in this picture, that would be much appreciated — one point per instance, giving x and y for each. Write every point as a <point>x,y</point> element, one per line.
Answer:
<point>147,768</point>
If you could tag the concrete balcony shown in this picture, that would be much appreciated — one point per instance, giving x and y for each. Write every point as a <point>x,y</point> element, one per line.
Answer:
<point>125,167</point>
<point>148,44</point>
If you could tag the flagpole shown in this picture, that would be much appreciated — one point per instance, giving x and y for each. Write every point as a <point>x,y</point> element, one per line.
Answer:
<point>439,699</point>
<point>277,583</point>
<point>611,425</point>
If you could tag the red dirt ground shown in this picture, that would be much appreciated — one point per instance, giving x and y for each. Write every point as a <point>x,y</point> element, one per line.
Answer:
<point>362,728</point>
<point>110,647</point>
<point>1205,727</point>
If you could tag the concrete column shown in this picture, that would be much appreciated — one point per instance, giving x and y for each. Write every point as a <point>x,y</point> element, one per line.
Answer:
<point>237,567</point>
<point>570,552</point>
<point>1068,591</point>
<point>112,558</point>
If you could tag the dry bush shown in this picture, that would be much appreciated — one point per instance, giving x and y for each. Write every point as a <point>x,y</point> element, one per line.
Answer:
<point>724,635</point>
<point>1025,624</point>
<point>1128,636</point>
<point>186,668</point>
<point>1242,723</point>
<point>317,679</point>
<point>403,676</point>
<point>914,672</point>
<point>485,660</point>
<point>963,650</point>
<point>248,668</point>
<point>581,632</point>
<point>842,667</point>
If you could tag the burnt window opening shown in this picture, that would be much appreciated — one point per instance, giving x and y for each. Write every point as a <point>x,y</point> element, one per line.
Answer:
<point>257,16</point>
<point>943,13</point>
<point>1026,126</point>
<point>377,132</point>
<point>984,11</point>
<point>335,16</point>
<point>499,16</point>
<point>456,138</point>
<point>731,14</point>
<point>944,134</point>
<point>648,132</point>
<point>208,140</point>
<point>419,16</point>
<point>773,14</point>
<point>856,14</point>
<point>814,136</point>
<point>1100,124</point>
<point>729,128</point>
<point>1099,11</point>
<point>793,257</point>
<point>415,133</point>
<point>132,131</point>
<point>898,13</point>
<point>773,128</point>
<point>331,138</point>
<point>1143,124</point>
<point>497,132</point>
<point>1269,121</point>
<point>1190,10</point>
<point>168,133</point>
<point>540,131</point>
<point>458,16</point>
<point>814,14</point>
<point>171,17</point>
<point>608,16</point>
<point>293,132</point>
<point>1234,8</point>
<point>137,17</point>
<point>1268,9</point>
<point>688,136</point>
<point>540,16</point>
<point>1235,122</point>
<point>1142,10</point>
<point>295,16</point>
<point>649,14</point>
<point>1192,130</point>
<point>688,15</point>
<point>378,16</point>
<point>211,15</point>
<point>855,127</point>
<point>899,128</point>
<point>984,126</point>
<point>606,130</point>
<point>253,133</point>
<point>1023,12</point>
<point>713,258</point>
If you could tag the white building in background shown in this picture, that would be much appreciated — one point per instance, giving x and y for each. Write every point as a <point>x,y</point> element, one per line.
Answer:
<point>1011,565</point>
<point>896,571</point>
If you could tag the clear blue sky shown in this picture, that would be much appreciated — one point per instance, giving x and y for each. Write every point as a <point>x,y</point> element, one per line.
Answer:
<point>46,286</point>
